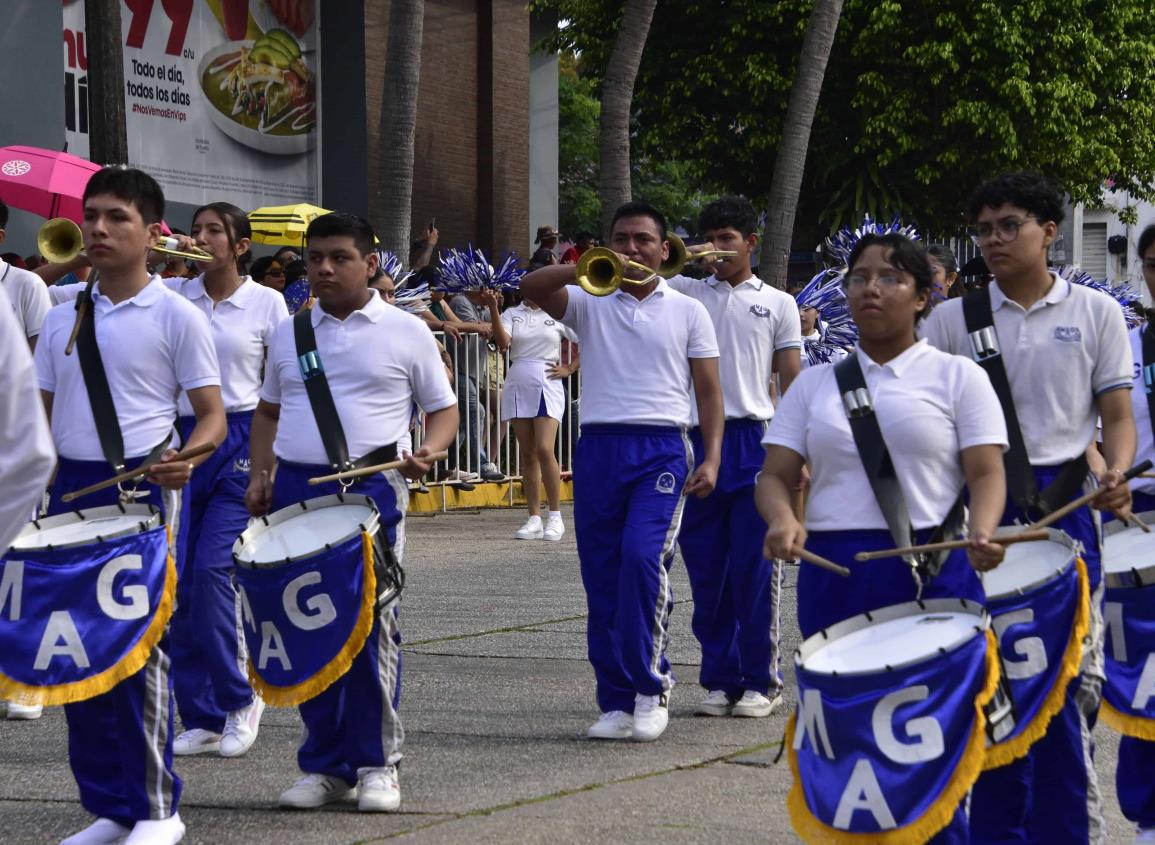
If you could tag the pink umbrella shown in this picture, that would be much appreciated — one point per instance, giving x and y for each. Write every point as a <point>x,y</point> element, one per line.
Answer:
<point>44,182</point>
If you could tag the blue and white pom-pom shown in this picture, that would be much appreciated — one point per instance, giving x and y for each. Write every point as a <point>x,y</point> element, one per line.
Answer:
<point>414,299</point>
<point>508,275</point>
<point>842,243</point>
<point>469,270</point>
<point>836,330</point>
<point>1124,293</point>
<point>390,264</point>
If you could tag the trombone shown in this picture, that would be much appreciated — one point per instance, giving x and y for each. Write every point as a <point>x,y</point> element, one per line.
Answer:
<point>680,256</point>
<point>60,240</point>
<point>600,271</point>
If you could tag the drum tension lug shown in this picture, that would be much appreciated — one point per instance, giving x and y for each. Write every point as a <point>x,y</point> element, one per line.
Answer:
<point>921,604</point>
<point>265,519</point>
<point>869,617</point>
<point>888,667</point>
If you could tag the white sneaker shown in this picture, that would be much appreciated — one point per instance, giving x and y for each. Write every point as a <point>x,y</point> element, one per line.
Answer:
<point>100,832</point>
<point>754,705</point>
<point>1144,836</point>
<point>716,703</point>
<point>650,717</point>
<point>617,724</point>
<point>554,529</point>
<point>23,712</point>
<point>531,530</point>
<point>196,741</point>
<point>241,728</point>
<point>316,791</point>
<point>159,832</point>
<point>378,790</point>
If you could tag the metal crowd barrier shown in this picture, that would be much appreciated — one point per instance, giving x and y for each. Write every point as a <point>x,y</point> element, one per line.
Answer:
<point>479,376</point>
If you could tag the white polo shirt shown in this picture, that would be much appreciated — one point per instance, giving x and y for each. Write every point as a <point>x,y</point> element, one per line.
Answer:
<point>635,354</point>
<point>153,346</point>
<point>534,335</point>
<point>242,328</point>
<point>1069,348</point>
<point>378,362</point>
<point>752,320</point>
<point>29,296</point>
<point>930,406</point>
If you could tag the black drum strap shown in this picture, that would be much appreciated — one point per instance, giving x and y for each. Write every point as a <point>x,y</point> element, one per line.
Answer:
<point>1149,371</point>
<point>96,383</point>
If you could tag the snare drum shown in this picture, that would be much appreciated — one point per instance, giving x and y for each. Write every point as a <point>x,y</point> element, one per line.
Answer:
<point>1129,616</point>
<point>311,578</point>
<point>891,706</point>
<point>1040,608</point>
<point>85,597</point>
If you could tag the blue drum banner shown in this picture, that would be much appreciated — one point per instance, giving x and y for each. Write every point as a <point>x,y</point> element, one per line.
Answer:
<point>1041,640</point>
<point>888,757</point>
<point>75,622</point>
<point>305,621</point>
<point>1129,694</point>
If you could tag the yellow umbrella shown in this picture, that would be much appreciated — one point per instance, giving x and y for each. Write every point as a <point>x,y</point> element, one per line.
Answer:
<point>283,225</point>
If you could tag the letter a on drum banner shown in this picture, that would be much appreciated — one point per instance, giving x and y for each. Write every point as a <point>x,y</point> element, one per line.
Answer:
<point>1129,693</point>
<point>888,757</point>
<point>306,620</point>
<point>75,622</point>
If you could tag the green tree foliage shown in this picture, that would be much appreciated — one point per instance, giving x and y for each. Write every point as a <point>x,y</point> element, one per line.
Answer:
<point>922,98</point>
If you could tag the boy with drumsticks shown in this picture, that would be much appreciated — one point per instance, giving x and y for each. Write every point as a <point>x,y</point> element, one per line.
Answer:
<point>150,344</point>
<point>377,361</point>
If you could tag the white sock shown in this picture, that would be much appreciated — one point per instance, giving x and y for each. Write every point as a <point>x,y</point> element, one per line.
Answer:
<point>533,517</point>
<point>555,514</point>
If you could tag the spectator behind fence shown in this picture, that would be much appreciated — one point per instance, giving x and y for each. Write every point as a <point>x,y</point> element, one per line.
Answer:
<point>297,290</point>
<point>546,253</point>
<point>582,242</point>
<point>268,271</point>
<point>469,366</point>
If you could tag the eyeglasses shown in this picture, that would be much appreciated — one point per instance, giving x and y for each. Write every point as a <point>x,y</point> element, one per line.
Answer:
<point>1007,228</point>
<point>857,281</point>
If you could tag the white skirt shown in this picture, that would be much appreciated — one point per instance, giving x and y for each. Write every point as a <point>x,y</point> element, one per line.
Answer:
<point>527,388</point>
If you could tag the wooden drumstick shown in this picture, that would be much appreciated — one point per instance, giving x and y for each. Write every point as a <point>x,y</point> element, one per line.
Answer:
<point>1055,516</point>
<point>129,475</point>
<point>822,562</point>
<point>951,545</point>
<point>1139,523</point>
<point>373,470</point>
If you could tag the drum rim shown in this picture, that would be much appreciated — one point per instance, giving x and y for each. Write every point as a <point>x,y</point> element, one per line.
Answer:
<point>1127,579</point>
<point>269,521</point>
<point>1054,535</point>
<point>815,642</point>
<point>150,519</point>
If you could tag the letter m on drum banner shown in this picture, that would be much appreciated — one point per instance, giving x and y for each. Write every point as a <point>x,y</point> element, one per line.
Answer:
<point>306,620</point>
<point>75,622</point>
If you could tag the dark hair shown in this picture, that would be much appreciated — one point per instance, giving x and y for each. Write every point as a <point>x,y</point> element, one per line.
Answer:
<point>3,215</point>
<point>583,235</point>
<point>131,185</point>
<point>944,256</point>
<point>261,266</point>
<point>1029,191</point>
<point>338,224</point>
<point>279,254</point>
<point>296,270</point>
<point>905,254</point>
<point>641,209</point>
<point>729,212</point>
<point>14,259</point>
<point>236,224</point>
<point>1146,239</point>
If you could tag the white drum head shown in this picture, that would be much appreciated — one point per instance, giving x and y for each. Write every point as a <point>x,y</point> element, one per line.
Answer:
<point>899,636</point>
<point>303,530</point>
<point>88,526</point>
<point>1029,565</point>
<point>1127,550</point>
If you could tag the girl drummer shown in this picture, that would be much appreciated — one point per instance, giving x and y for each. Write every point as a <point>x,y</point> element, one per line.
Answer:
<point>220,712</point>
<point>534,402</point>
<point>940,418</point>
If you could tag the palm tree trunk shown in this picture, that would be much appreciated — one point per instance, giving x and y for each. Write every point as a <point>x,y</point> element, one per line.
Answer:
<point>617,94</point>
<point>107,134</point>
<point>790,161</point>
<point>391,199</point>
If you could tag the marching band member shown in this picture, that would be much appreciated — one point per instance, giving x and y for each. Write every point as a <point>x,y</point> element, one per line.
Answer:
<point>153,344</point>
<point>353,739</point>
<point>533,402</point>
<point>216,704</point>
<point>1067,363</point>
<point>648,352</point>
<point>26,291</point>
<point>735,588</point>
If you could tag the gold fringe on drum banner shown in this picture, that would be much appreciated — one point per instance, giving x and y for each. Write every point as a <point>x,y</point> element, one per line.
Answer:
<point>1126,724</point>
<point>1003,753</point>
<point>339,665</point>
<point>129,665</point>
<point>937,816</point>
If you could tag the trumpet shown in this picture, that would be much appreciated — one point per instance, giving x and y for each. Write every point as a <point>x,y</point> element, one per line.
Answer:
<point>60,240</point>
<point>680,256</point>
<point>600,271</point>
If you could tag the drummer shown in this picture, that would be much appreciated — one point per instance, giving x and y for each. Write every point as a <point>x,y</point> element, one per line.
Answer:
<point>534,402</point>
<point>219,710</point>
<point>353,739</point>
<point>1066,357</point>
<point>939,419</point>
<point>153,344</point>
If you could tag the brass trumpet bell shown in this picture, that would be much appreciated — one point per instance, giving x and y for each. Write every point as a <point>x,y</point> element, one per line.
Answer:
<point>60,240</point>
<point>600,271</point>
<point>680,256</point>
